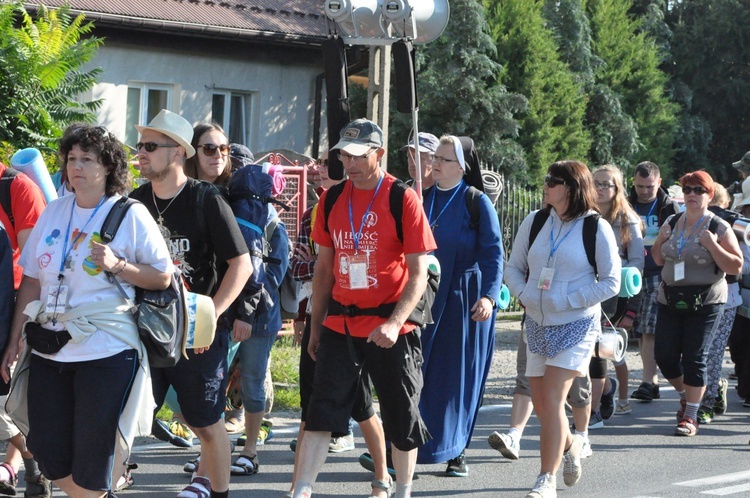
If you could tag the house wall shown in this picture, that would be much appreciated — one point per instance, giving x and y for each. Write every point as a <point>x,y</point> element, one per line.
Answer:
<point>281,80</point>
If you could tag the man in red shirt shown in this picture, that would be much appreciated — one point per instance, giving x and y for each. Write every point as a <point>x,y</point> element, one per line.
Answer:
<point>367,281</point>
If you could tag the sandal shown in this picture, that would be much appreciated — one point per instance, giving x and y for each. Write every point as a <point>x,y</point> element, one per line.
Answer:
<point>38,487</point>
<point>386,486</point>
<point>8,487</point>
<point>199,487</point>
<point>245,466</point>
<point>126,479</point>
<point>687,427</point>
<point>192,465</point>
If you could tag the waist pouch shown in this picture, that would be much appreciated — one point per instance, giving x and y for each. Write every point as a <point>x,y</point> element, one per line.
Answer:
<point>44,340</point>
<point>686,298</point>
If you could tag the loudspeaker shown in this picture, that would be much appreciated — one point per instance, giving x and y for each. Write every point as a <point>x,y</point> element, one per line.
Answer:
<point>337,99</point>
<point>406,85</point>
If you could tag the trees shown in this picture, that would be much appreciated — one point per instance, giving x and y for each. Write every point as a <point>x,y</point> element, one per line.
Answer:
<point>39,76</point>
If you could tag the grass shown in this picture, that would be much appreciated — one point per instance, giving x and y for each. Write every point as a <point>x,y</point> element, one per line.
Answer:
<point>285,373</point>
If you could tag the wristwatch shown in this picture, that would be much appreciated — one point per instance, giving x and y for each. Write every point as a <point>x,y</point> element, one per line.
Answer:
<point>492,301</point>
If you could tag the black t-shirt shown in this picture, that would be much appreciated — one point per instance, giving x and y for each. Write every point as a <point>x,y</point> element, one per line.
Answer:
<point>200,256</point>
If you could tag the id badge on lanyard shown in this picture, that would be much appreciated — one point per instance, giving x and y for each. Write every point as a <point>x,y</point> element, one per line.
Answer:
<point>358,271</point>
<point>679,271</point>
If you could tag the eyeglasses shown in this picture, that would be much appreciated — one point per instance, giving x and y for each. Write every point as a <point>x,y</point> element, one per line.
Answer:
<point>343,157</point>
<point>553,182</point>
<point>441,159</point>
<point>697,190</point>
<point>321,163</point>
<point>152,146</point>
<point>603,186</point>
<point>210,149</point>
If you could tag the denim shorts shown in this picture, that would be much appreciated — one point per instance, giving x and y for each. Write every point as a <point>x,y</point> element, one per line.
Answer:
<point>254,354</point>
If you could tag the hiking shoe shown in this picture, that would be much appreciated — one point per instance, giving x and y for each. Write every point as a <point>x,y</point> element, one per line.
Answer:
<point>457,467</point>
<point>341,444</point>
<point>607,406</point>
<point>265,433</point>
<point>234,421</point>
<point>365,460</point>
<point>687,427</point>
<point>545,487</point>
<point>720,404</point>
<point>586,451</point>
<point>596,422</point>
<point>173,432</point>
<point>681,411</point>
<point>506,445</point>
<point>645,392</point>
<point>705,414</point>
<point>572,462</point>
<point>623,408</point>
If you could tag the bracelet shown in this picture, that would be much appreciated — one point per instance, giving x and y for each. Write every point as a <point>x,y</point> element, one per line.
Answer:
<point>125,263</point>
<point>630,314</point>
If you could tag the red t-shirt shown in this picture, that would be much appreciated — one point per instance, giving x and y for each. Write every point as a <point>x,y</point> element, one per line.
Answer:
<point>379,250</point>
<point>27,203</point>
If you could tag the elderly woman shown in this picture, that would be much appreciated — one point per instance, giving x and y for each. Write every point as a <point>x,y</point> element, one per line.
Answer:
<point>697,250</point>
<point>553,278</point>
<point>461,340</point>
<point>68,300</point>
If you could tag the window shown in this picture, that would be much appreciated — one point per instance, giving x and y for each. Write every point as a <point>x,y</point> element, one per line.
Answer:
<point>143,103</point>
<point>232,111</point>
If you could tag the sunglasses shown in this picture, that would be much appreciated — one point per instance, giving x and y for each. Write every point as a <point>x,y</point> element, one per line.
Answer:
<point>697,190</point>
<point>321,163</point>
<point>210,149</point>
<point>553,182</point>
<point>152,146</point>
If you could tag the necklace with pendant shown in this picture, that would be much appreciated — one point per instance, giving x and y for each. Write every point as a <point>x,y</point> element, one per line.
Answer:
<point>160,219</point>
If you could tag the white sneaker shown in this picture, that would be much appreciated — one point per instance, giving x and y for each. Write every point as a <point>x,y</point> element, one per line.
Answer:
<point>572,462</point>
<point>341,444</point>
<point>586,451</point>
<point>545,487</point>
<point>506,445</point>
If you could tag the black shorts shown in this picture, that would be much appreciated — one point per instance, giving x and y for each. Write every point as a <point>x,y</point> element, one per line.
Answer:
<point>74,410</point>
<point>396,373</point>
<point>200,381</point>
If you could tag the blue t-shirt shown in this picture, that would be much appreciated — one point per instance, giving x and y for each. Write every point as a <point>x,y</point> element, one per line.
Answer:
<point>649,213</point>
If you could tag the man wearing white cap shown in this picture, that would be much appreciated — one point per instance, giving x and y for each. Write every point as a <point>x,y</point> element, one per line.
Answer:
<point>427,145</point>
<point>207,245</point>
<point>367,282</point>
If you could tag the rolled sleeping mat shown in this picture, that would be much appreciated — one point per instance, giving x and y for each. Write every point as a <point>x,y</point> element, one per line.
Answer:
<point>504,300</point>
<point>493,185</point>
<point>741,227</point>
<point>31,163</point>
<point>611,344</point>
<point>631,282</point>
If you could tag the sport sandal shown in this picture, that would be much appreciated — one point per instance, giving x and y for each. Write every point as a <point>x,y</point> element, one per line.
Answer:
<point>8,487</point>
<point>245,466</point>
<point>386,486</point>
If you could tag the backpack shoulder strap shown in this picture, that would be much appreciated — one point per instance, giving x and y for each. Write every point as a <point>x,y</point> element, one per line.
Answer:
<point>114,218</point>
<point>673,221</point>
<point>540,218</point>
<point>473,195</point>
<point>396,202</point>
<point>590,227</point>
<point>5,183</point>
<point>332,195</point>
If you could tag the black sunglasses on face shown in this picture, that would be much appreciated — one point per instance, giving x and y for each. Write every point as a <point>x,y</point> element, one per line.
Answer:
<point>321,163</point>
<point>152,146</point>
<point>697,190</point>
<point>210,149</point>
<point>553,182</point>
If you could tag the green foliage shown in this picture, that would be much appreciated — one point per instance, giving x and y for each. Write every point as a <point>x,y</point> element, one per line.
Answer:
<point>285,374</point>
<point>552,128</point>
<point>39,78</point>
<point>459,92</point>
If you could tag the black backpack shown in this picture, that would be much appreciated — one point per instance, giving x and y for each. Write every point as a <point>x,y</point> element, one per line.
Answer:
<point>160,315</point>
<point>590,227</point>
<point>5,183</point>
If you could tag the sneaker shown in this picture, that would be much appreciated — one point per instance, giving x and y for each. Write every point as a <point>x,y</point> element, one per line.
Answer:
<point>623,408</point>
<point>365,460</point>
<point>293,445</point>
<point>596,422</point>
<point>687,427</point>
<point>607,406</point>
<point>645,392</point>
<point>586,451</point>
<point>234,421</point>
<point>265,432</point>
<point>506,445</point>
<point>457,467</point>
<point>545,487</point>
<point>173,432</point>
<point>572,462</point>
<point>720,405</point>
<point>41,487</point>
<point>705,414</point>
<point>681,411</point>
<point>341,444</point>
<point>655,392</point>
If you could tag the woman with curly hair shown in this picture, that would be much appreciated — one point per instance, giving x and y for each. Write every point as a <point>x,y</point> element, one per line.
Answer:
<point>81,343</point>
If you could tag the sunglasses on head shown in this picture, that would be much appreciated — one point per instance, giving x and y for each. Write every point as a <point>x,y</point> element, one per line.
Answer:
<point>210,149</point>
<point>553,182</point>
<point>697,190</point>
<point>152,146</point>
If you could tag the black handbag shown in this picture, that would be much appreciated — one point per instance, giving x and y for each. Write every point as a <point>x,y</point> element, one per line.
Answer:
<point>44,340</point>
<point>685,298</point>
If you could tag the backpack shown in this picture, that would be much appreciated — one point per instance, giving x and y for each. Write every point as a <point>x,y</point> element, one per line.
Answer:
<point>290,290</point>
<point>590,227</point>
<point>5,183</point>
<point>161,315</point>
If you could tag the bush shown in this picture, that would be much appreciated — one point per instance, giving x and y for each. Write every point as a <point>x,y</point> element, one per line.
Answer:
<point>285,373</point>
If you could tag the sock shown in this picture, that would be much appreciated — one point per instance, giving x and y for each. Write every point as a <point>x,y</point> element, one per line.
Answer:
<point>691,410</point>
<point>32,468</point>
<point>302,490</point>
<point>515,434</point>
<point>583,434</point>
<point>5,474</point>
<point>403,490</point>
<point>219,494</point>
<point>682,394</point>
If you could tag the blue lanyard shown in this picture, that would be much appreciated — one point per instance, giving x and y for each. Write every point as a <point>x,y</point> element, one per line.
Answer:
<point>433,223</point>
<point>552,247</point>
<point>66,251</point>
<point>358,235</point>
<point>653,205</point>
<point>682,241</point>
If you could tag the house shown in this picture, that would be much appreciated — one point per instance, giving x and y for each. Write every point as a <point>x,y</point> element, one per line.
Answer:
<point>253,66</point>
